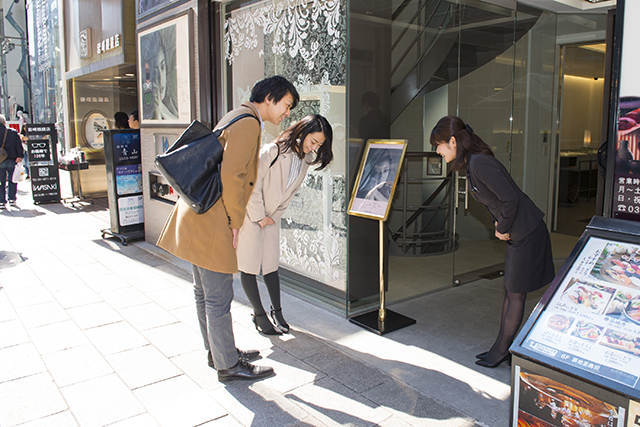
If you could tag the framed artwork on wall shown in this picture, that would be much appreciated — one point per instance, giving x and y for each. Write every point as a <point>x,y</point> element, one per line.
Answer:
<point>165,74</point>
<point>377,178</point>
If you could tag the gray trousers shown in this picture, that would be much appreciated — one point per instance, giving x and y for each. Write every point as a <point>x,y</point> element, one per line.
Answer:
<point>214,293</point>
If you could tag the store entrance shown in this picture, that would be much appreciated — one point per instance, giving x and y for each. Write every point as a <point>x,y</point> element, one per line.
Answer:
<point>581,91</point>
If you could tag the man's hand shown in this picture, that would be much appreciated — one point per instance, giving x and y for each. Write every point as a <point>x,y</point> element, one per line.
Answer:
<point>267,220</point>
<point>505,236</point>
<point>234,237</point>
<point>18,159</point>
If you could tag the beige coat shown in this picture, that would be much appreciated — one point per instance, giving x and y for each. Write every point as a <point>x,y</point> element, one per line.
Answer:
<point>205,240</point>
<point>260,247</point>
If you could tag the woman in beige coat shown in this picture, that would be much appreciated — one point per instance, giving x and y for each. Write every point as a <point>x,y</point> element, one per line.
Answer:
<point>282,167</point>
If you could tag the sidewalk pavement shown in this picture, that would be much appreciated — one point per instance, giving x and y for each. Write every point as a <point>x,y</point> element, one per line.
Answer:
<point>94,333</point>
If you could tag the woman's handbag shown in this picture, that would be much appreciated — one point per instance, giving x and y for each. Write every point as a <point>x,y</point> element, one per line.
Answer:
<point>192,165</point>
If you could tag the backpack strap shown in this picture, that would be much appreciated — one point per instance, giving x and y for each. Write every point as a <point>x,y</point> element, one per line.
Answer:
<point>6,129</point>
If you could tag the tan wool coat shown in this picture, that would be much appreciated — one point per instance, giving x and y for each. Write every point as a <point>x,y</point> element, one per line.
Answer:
<point>260,247</point>
<point>205,240</point>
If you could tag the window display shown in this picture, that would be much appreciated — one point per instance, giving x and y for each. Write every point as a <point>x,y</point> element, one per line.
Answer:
<point>305,42</point>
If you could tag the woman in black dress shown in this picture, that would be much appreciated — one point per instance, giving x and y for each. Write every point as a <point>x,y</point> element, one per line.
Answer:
<point>517,220</point>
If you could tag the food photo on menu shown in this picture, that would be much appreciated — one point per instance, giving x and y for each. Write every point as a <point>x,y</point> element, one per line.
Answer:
<point>619,264</point>
<point>543,402</point>
<point>586,297</point>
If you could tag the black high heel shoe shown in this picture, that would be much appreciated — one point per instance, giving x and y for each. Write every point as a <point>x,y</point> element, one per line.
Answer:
<point>482,355</point>
<point>278,320</point>
<point>483,362</point>
<point>262,328</point>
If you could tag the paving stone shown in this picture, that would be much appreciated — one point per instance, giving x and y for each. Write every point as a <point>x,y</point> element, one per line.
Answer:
<point>116,337</point>
<point>142,366</point>
<point>101,401</point>
<point>147,316</point>
<point>31,398</point>
<point>20,361</point>
<point>93,315</point>
<point>75,297</point>
<point>57,336</point>
<point>76,364</point>
<point>43,314</point>
<point>12,333</point>
<point>178,402</point>
<point>174,339</point>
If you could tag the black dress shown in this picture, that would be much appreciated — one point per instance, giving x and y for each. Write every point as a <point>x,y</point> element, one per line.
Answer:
<point>528,258</point>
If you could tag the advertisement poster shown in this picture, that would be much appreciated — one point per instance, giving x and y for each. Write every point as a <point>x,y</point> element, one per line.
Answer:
<point>626,193</point>
<point>377,178</point>
<point>543,402</point>
<point>593,320</point>
<point>129,179</point>
<point>130,210</point>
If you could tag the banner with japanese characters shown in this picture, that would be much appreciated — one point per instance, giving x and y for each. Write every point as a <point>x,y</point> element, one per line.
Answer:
<point>626,193</point>
<point>592,322</point>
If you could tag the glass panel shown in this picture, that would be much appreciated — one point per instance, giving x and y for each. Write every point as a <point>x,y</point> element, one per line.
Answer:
<point>306,43</point>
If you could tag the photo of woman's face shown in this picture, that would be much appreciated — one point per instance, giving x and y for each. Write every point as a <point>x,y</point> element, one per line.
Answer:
<point>380,171</point>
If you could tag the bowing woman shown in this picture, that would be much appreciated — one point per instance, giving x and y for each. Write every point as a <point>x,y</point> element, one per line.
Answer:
<point>517,221</point>
<point>282,167</point>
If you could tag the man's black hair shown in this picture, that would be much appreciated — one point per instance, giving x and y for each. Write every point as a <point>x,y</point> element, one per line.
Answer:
<point>135,115</point>
<point>274,88</point>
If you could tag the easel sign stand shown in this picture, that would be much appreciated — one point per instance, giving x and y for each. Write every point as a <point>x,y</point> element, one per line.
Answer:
<point>371,198</point>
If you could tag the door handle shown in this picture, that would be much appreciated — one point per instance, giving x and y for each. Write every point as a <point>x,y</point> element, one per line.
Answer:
<point>464,192</point>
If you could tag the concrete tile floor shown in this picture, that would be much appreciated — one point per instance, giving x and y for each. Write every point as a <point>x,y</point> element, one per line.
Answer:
<point>93,333</point>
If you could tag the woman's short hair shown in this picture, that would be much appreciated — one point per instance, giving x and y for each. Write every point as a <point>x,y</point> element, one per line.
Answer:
<point>293,138</point>
<point>467,142</point>
<point>274,88</point>
<point>122,120</point>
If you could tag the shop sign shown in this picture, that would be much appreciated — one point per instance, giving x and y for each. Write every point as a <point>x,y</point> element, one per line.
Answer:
<point>108,44</point>
<point>85,43</point>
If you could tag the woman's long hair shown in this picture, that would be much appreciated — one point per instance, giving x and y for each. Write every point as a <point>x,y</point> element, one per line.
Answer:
<point>467,142</point>
<point>293,138</point>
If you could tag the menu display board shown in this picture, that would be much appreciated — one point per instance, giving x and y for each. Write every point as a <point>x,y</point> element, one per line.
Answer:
<point>592,322</point>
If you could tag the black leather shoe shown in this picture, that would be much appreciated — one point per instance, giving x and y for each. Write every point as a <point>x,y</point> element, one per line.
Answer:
<point>246,355</point>
<point>244,371</point>
<point>482,355</point>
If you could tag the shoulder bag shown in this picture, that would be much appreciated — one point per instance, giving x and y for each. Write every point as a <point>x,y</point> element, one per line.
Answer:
<point>192,165</point>
<point>3,152</point>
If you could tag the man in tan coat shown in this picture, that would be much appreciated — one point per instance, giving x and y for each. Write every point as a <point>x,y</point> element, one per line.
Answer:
<point>209,240</point>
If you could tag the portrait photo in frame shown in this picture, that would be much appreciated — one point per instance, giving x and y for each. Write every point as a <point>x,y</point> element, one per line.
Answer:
<point>164,72</point>
<point>377,178</point>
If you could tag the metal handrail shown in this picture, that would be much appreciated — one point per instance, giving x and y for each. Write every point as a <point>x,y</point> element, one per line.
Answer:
<point>413,239</point>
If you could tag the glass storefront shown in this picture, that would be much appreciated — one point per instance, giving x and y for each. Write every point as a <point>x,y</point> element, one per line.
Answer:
<point>390,69</point>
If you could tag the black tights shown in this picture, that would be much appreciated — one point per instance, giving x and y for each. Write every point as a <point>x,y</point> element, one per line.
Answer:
<point>250,286</point>
<point>512,314</point>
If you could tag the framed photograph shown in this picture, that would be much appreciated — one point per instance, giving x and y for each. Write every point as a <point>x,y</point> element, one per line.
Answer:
<point>164,75</point>
<point>377,178</point>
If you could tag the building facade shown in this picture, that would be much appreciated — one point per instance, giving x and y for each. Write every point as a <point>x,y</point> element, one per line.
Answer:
<point>515,72</point>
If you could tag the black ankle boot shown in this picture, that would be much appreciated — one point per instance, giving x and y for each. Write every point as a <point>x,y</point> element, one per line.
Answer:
<point>278,320</point>
<point>263,324</point>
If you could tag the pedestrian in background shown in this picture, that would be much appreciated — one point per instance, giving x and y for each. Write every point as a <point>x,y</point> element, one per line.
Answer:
<point>528,263</point>
<point>209,240</point>
<point>13,146</point>
<point>122,120</point>
<point>282,167</point>
<point>134,122</point>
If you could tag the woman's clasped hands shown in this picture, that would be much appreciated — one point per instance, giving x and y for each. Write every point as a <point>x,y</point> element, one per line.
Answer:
<point>267,220</point>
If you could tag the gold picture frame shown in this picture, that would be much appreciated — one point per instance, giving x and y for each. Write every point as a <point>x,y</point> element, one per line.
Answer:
<point>377,178</point>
